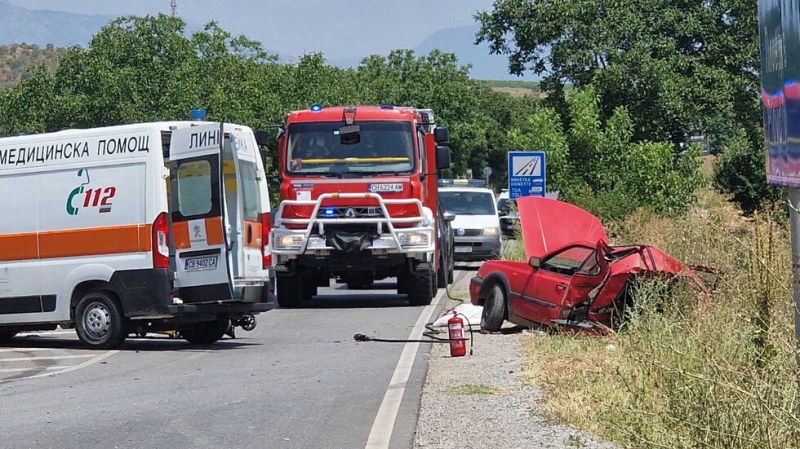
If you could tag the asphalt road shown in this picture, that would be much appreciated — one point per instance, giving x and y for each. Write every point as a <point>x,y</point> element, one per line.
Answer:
<point>297,381</point>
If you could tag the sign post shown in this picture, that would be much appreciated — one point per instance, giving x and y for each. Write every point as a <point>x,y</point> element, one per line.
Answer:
<point>526,174</point>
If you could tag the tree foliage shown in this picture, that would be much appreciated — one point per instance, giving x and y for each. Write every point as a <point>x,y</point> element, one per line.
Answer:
<point>677,66</point>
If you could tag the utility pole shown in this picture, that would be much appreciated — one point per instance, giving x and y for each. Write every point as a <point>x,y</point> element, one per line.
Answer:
<point>174,5</point>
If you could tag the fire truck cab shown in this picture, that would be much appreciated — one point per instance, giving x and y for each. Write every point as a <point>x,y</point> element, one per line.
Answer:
<point>358,201</point>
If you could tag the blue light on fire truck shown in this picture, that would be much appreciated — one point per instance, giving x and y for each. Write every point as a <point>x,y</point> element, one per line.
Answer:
<point>316,107</point>
<point>328,211</point>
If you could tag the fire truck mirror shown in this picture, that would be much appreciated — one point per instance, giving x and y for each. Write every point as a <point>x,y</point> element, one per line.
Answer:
<point>442,157</point>
<point>441,135</point>
<point>350,135</point>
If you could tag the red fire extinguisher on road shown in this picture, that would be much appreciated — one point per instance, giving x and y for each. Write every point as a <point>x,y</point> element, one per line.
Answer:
<point>458,344</point>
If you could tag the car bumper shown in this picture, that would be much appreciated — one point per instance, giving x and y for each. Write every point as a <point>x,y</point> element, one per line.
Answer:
<point>476,248</point>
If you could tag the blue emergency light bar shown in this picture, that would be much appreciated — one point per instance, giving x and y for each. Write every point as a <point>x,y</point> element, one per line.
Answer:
<point>198,114</point>
<point>316,107</point>
<point>462,182</point>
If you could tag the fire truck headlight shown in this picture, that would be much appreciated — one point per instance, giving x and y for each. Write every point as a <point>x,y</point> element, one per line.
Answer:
<point>414,239</point>
<point>289,241</point>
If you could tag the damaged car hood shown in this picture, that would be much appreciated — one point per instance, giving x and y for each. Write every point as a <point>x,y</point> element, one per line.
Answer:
<point>549,224</point>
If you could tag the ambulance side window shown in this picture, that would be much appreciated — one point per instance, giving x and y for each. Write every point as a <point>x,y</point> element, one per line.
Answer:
<point>251,200</point>
<point>194,188</point>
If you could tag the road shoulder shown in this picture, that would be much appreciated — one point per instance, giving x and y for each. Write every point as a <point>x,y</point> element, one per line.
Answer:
<point>480,401</point>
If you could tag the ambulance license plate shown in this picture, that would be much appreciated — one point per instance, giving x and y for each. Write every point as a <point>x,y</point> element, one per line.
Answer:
<point>201,263</point>
<point>463,249</point>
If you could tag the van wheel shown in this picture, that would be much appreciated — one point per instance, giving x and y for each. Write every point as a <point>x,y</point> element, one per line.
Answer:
<point>494,310</point>
<point>207,333</point>
<point>99,321</point>
<point>421,288</point>
<point>290,291</point>
<point>6,335</point>
<point>440,275</point>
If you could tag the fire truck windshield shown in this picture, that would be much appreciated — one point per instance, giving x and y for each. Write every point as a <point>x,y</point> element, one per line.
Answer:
<point>315,148</point>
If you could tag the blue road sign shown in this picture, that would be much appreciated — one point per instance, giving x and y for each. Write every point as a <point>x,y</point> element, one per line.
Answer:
<point>526,173</point>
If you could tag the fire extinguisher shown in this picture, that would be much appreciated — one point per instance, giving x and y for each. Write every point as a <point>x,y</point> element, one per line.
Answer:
<point>458,344</point>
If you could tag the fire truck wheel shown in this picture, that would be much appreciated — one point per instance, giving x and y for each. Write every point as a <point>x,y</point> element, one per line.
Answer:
<point>441,280</point>
<point>421,288</point>
<point>99,321</point>
<point>309,291</point>
<point>494,309</point>
<point>6,335</point>
<point>290,291</point>
<point>207,333</point>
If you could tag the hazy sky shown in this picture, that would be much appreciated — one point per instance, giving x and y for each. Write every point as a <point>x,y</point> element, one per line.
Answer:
<point>339,28</point>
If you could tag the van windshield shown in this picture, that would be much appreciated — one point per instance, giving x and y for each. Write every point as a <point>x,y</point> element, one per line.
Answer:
<point>467,203</point>
<point>315,148</point>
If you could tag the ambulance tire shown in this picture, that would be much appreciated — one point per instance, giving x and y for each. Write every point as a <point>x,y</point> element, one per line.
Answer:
<point>494,309</point>
<point>421,288</point>
<point>99,321</point>
<point>6,335</point>
<point>290,291</point>
<point>207,333</point>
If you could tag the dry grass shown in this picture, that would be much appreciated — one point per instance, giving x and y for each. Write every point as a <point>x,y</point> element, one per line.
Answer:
<point>688,371</point>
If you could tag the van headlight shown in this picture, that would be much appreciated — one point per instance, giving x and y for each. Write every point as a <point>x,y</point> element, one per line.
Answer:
<point>288,241</point>
<point>491,231</point>
<point>414,238</point>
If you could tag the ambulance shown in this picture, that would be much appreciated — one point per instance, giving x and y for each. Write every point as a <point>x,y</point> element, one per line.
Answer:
<point>134,228</point>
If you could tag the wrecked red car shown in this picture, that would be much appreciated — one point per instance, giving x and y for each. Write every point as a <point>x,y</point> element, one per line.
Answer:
<point>572,278</point>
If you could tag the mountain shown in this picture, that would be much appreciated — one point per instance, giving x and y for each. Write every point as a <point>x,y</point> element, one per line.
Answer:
<point>459,40</point>
<point>61,29</point>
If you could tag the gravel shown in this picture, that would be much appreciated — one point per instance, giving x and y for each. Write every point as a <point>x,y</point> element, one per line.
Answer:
<point>479,401</point>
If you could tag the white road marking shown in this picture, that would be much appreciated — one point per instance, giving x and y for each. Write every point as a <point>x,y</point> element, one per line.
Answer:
<point>382,427</point>
<point>49,357</point>
<point>85,364</point>
<point>24,349</point>
<point>20,370</point>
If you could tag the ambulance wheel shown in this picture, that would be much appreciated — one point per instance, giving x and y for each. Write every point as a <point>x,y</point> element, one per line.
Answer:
<point>207,333</point>
<point>290,291</point>
<point>6,335</point>
<point>494,309</point>
<point>421,288</point>
<point>99,321</point>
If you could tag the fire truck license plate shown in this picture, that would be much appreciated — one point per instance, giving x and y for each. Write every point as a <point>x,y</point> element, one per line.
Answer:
<point>381,188</point>
<point>201,264</point>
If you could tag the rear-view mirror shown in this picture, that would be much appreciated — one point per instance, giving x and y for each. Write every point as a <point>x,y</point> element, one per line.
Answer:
<point>448,216</point>
<point>535,262</point>
<point>441,135</point>
<point>350,134</point>
<point>442,157</point>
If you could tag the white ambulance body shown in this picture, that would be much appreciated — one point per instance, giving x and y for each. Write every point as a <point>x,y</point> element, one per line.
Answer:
<point>133,228</point>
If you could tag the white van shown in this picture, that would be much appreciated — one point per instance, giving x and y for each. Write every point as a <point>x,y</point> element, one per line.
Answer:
<point>134,228</point>
<point>476,227</point>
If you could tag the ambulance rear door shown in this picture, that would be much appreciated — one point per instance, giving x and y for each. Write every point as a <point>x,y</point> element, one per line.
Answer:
<point>199,219</point>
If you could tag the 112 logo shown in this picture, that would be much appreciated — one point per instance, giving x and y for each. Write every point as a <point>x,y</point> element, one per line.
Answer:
<point>81,197</point>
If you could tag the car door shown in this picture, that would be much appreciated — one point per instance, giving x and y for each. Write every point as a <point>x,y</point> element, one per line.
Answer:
<point>545,292</point>
<point>199,223</point>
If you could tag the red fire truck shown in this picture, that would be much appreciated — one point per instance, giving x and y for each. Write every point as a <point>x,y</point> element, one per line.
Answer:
<point>358,201</point>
